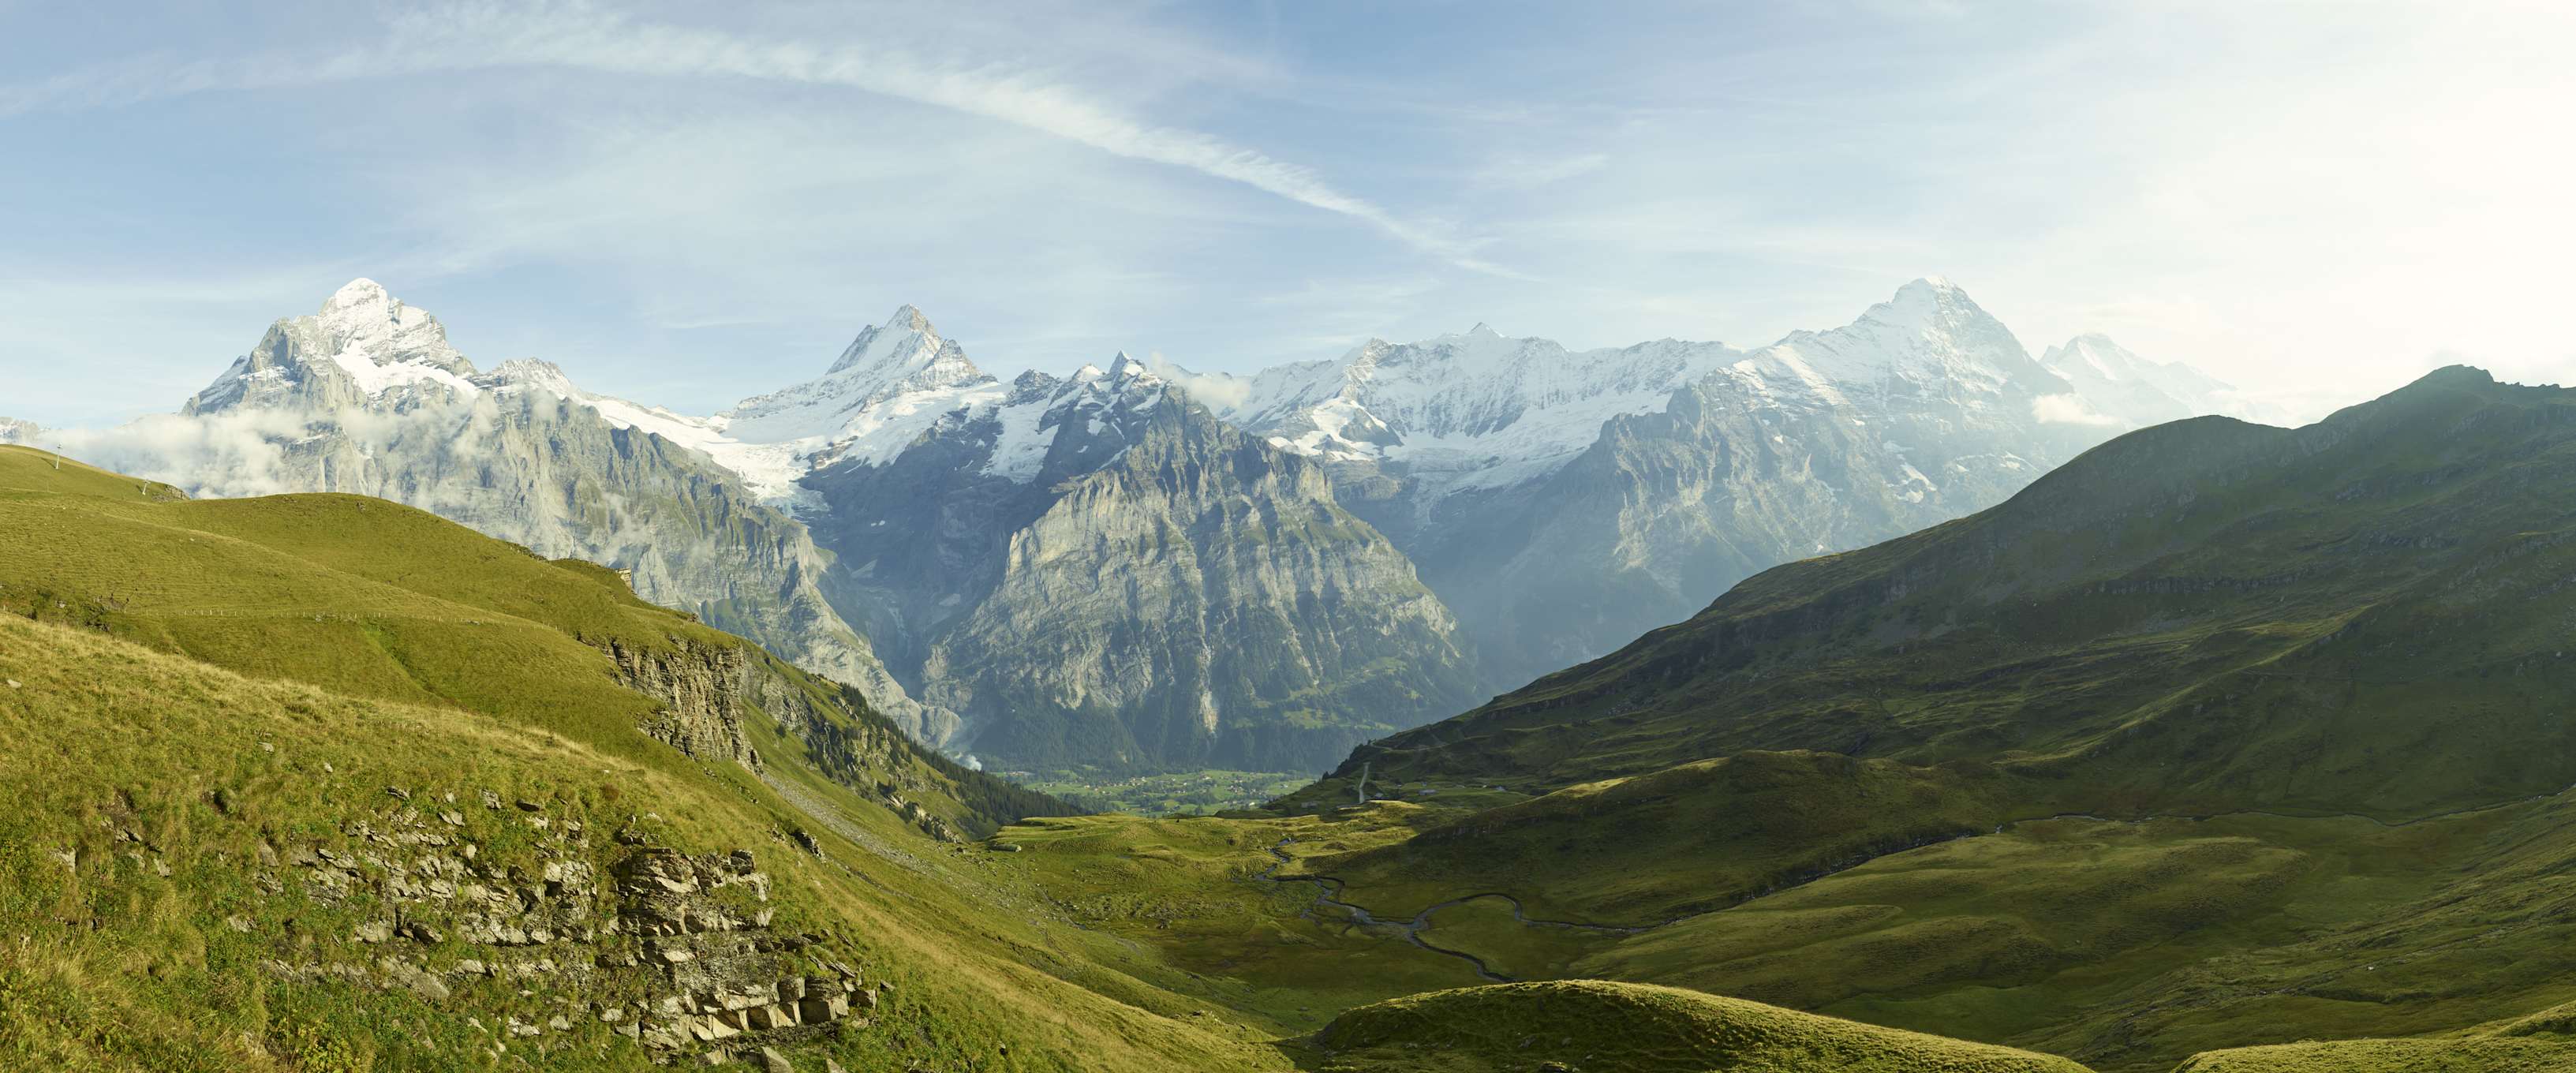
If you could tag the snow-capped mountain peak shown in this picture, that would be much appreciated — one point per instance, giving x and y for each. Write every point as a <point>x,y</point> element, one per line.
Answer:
<point>2095,356</point>
<point>905,344</point>
<point>360,322</point>
<point>361,345</point>
<point>1926,302</point>
<point>899,369</point>
<point>1081,421</point>
<point>1930,336</point>
<point>1123,368</point>
<point>2118,384</point>
<point>1471,410</point>
<point>359,293</point>
<point>530,374</point>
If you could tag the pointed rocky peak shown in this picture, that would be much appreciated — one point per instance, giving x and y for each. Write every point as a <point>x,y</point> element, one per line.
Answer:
<point>362,343</point>
<point>1930,336</point>
<point>1483,330</point>
<point>1092,387</point>
<point>1124,369</point>
<point>1367,355</point>
<point>1032,386</point>
<point>904,345</point>
<point>903,358</point>
<point>2094,356</point>
<point>362,319</point>
<point>1932,302</point>
<point>356,293</point>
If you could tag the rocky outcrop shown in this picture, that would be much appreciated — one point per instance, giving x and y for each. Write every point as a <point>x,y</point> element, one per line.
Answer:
<point>675,951</point>
<point>702,688</point>
<point>725,978</point>
<point>710,691</point>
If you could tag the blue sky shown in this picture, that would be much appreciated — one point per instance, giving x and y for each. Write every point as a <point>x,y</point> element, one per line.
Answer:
<point>685,206</point>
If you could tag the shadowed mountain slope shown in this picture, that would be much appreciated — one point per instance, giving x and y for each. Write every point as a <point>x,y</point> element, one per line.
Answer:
<point>2364,615</point>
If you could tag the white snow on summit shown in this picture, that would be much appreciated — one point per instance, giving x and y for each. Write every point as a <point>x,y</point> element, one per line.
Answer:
<point>362,337</point>
<point>1040,407</point>
<point>1928,339</point>
<point>1463,411</point>
<point>890,385</point>
<point>1481,410</point>
<point>1477,409</point>
<point>382,343</point>
<point>897,370</point>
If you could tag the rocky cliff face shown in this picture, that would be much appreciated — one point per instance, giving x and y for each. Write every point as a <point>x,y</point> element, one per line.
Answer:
<point>710,692</point>
<point>702,688</point>
<point>1564,503</point>
<point>1097,570</point>
<point>367,397</point>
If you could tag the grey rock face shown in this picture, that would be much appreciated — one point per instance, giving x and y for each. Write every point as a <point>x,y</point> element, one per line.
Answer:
<point>1565,503</point>
<point>367,397</point>
<point>673,950</point>
<point>1099,571</point>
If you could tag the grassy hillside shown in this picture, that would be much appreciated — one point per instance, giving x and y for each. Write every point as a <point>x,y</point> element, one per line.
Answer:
<point>2222,737</point>
<point>2543,1042</point>
<point>398,831</point>
<point>2231,747</point>
<point>1636,1029</point>
<point>1743,824</point>
<point>372,599</point>
<point>2360,616</point>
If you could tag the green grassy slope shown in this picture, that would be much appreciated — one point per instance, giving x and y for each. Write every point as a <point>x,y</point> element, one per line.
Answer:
<point>2127,945</point>
<point>153,793</point>
<point>159,779</point>
<point>1744,824</point>
<point>1636,1029</point>
<point>2221,735</point>
<point>2246,739</point>
<point>2359,616</point>
<point>2543,1042</point>
<point>369,598</point>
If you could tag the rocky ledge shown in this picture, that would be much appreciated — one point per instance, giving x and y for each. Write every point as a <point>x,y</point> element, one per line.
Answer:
<point>673,950</point>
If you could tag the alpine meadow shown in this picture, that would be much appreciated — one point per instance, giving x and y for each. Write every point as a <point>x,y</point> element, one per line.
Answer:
<point>1193,652</point>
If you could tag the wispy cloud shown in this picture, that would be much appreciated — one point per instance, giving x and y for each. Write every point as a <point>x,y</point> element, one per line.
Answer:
<point>1532,172</point>
<point>579,37</point>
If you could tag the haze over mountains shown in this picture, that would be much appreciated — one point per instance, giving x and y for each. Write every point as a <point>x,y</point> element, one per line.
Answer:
<point>1133,569</point>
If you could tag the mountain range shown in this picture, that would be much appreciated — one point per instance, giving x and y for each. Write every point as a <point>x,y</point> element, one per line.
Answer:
<point>1564,502</point>
<point>2220,748</point>
<point>2142,757</point>
<point>1139,567</point>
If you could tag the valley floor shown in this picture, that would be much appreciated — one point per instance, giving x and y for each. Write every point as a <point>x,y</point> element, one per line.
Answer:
<point>2128,945</point>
